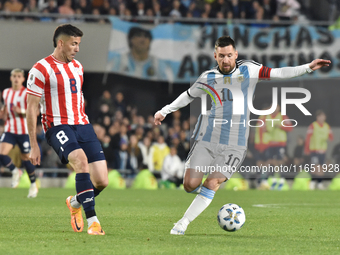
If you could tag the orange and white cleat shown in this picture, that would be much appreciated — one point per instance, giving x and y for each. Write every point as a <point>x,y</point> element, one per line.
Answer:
<point>95,229</point>
<point>77,222</point>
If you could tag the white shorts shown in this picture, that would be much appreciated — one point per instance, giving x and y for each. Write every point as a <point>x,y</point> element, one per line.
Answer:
<point>208,157</point>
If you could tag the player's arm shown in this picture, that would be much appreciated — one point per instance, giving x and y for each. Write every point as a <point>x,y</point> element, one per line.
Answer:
<point>183,100</point>
<point>31,118</point>
<point>291,72</point>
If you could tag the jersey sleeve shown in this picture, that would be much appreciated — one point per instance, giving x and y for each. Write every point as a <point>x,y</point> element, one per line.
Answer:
<point>37,77</point>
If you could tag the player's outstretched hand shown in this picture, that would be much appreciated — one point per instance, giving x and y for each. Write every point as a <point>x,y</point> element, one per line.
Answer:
<point>318,63</point>
<point>35,155</point>
<point>158,118</point>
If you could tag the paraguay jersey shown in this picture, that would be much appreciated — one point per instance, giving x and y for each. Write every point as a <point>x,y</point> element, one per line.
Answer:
<point>59,85</point>
<point>229,92</point>
<point>15,122</point>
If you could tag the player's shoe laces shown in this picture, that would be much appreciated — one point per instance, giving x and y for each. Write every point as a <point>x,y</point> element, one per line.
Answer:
<point>179,228</point>
<point>95,229</point>
<point>77,222</point>
<point>16,174</point>
<point>33,191</point>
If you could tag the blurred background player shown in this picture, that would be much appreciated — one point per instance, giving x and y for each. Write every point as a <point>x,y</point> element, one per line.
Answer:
<point>55,83</point>
<point>318,133</point>
<point>277,125</point>
<point>261,141</point>
<point>14,111</point>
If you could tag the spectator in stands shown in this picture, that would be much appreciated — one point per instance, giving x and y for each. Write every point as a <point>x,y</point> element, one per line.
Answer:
<point>31,7</point>
<point>119,103</point>
<point>166,7</point>
<point>159,151</point>
<point>247,10</point>
<point>145,147</point>
<point>123,133</point>
<point>51,7</point>
<point>175,12</point>
<point>173,168</point>
<point>287,9</point>
<point>13,6</point>
<point>135,154</point>
<point>84,6</point>
<point>193,10</point>
<point>318,134</point>
<point>269,7</point>
<point>66,8</point>
<point>140,9</point>
<point>114,133</point>
<point>235,12</point>
<point>106,98</point>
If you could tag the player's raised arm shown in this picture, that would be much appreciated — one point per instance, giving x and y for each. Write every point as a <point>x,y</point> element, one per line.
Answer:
<point>290,72</point>
<point>182,100</point>
<point>31,117</point>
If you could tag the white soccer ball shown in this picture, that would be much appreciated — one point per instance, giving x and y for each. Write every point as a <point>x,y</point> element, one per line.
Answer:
<point>231,217</point>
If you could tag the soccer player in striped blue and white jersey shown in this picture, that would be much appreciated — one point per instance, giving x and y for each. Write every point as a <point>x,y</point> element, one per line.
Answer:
<point>221,134</point>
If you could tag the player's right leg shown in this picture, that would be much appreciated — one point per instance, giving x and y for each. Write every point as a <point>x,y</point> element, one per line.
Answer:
<point>7,143</point>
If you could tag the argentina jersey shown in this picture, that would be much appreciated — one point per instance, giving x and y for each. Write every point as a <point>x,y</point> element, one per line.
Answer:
<point>227,121</point>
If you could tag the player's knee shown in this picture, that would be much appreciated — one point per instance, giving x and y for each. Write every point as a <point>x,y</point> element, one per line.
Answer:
<point>78,161</point>
<point>213,183</point>
<point>101,184</point>
<point>190,184</point>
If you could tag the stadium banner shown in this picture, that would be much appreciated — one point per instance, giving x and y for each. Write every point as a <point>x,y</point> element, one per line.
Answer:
<point>179,53</point>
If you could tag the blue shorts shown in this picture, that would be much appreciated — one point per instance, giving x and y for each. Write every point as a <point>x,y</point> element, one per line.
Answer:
<point>317,158</point>
<point>66,138</point>
<point>22,140</point>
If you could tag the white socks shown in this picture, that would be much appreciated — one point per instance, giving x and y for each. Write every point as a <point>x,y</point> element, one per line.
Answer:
<point>200,203</point>
<point>74,202</point>
<point>91,220</point>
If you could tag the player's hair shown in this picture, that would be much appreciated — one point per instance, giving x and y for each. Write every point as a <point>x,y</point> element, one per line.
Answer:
<point>136,31</point>
<point>18,70</point>
<point>224,41</point>
<point>66,29</point>
<point>319,112</point>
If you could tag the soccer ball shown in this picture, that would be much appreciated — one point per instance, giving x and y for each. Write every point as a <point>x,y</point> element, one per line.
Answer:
<point>231,217</point>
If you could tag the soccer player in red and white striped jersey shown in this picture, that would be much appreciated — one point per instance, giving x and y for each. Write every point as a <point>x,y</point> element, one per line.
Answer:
<point>55,83</point>
<point>14,111</point>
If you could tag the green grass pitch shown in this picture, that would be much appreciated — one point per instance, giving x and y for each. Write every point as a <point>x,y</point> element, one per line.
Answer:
<point>139,222</point>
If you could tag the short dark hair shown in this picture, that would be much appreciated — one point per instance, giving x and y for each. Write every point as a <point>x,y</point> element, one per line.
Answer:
<point>137,31</point>
<point>319,112</point>
<point>224,41</point>
<point>66,29</point>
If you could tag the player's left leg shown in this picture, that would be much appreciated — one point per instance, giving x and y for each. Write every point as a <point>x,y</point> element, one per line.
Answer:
<point>24,145</point>
<point>33,190</point>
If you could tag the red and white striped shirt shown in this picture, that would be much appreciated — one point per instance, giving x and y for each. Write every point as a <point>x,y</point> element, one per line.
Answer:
<point>15,123</point>
<point>59,85</point>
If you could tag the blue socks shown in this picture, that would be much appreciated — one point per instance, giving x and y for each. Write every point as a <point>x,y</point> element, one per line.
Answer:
<point>85,193</point>
<point>6,161</point>
<point>30,170</point>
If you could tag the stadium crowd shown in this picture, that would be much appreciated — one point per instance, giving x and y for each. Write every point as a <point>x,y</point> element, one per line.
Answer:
<point>151,9</point>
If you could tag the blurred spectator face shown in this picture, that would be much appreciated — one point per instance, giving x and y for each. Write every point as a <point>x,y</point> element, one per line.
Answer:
<point>176,114</point>
<point>149,12</point>
<point>104,108</point>
<point>150,119</point>
<point>106,139</point>
<point>123,146</point>
<point>118,115</point>
<point>126,122</point>
<point>140,5</point>
<point>139,132</point>
<point>160,139</point>
<point>149,134</point>
<point>147,141</point>
<point>207,8</point>
<point>185,125</point>
<point>182,136</point>
<point>127,12</point>
<point>133,141</point>
<point>175,142</point>
<point>123,129</point>
<point>141,121</point>
<point>220,15</point>
<point>95,11</point>
<point>68,3</point>
<point>107,121</point>
<point>113,130</point>
<point>122,8</point>
<point>106,93</point>
<point>177,128</point>
<point>173,151</point>
<point>176,4</point>
<point>119,97</point>
<point>113,11</point>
